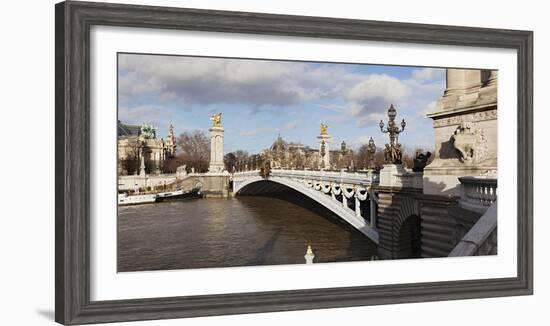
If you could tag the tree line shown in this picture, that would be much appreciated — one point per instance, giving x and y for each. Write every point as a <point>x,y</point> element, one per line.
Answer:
<point>194,152</point>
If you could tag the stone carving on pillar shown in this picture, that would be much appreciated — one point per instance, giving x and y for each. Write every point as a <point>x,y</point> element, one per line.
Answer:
<point>216,144</point>
<point>465,130</point>
<point>324,151</point>
<point>470,142</point>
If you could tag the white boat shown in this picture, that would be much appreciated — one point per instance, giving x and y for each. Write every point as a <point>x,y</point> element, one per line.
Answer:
<point>178,194</point>
<point>124,199</point>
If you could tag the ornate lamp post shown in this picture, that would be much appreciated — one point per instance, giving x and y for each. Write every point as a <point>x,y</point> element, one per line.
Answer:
<point>392,152</point>
<point>323,153</point>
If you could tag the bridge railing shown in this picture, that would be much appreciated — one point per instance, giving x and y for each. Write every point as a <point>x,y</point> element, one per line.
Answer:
<point>482,237</point>
<point>360,178</point>
<point>477,193</point>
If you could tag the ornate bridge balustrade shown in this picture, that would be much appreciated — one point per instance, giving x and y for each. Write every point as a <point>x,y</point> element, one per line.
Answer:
<point>349,195</point>
<point>477,193</point>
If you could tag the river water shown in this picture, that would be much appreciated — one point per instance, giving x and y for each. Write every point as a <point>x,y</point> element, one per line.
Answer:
<point>239,231</point>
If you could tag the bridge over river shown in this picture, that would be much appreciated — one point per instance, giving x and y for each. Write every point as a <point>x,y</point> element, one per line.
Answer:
<point>447,207</point>
<point>389,207</point>
<point>348,195</point>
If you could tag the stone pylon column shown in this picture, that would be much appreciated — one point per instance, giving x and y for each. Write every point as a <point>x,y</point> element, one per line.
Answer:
<point>142,164</point>
<point>216,147</point>
<point>324,148</point>
<point>456,82</point>
<point>488,93</point>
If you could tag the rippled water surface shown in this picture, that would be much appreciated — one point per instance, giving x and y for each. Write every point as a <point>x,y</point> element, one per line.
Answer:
<point>239,231</point>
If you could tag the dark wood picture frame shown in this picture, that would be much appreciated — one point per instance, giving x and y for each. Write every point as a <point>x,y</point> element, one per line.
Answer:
<point>72,141</point>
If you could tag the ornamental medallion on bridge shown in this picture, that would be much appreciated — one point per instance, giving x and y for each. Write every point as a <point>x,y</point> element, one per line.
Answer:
<point>392,152</point>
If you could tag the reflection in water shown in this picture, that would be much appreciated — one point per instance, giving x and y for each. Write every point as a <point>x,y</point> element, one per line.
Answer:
<point>240,231</point>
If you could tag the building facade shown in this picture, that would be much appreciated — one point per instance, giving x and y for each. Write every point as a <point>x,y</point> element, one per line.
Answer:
<point>140,152</point>
<point>291,155</point>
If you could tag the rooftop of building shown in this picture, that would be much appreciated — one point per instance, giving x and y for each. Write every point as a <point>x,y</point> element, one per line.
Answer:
<point>126,130</point>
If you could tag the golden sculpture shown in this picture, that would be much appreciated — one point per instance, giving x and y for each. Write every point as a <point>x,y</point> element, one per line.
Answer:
<point>324,128</point>
<point>216,119</point>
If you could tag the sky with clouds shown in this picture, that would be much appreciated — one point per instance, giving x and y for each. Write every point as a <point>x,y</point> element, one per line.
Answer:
<point>260,99</point>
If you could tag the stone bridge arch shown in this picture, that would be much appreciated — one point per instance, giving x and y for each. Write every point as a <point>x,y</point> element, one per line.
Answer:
<point>399,225</point>
<point>259,185</point>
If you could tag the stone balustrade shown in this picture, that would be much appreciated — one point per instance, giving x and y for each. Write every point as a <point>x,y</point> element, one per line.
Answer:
<point>362,178</point>
<point>133,182</point>
<point>367,177</point>
<point>482,237</point>
<point>477,193</point>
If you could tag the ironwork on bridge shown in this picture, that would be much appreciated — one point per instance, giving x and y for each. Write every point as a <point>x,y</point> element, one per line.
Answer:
<point>349,195</point>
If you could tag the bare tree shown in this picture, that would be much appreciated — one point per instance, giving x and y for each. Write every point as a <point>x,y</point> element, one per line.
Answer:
<point>363,157</point>
<point>130,162</point>
<point>194,150</point>
<point>231,159</point>
<point>171,164</point>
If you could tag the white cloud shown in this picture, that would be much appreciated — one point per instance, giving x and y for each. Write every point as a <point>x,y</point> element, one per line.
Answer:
<point>428,73</point>
<point>151,114</point>
<point>379,86</point>
<point>262,85</point>
<point>198,80</point>
<point>369,99</point>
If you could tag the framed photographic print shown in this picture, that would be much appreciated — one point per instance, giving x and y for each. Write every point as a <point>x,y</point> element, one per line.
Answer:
<point>215,162</point>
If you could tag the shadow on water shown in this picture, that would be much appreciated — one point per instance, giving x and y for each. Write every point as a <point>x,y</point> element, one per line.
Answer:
<point>356,246</point>
<point>265,250</point>
<point>298,199</point>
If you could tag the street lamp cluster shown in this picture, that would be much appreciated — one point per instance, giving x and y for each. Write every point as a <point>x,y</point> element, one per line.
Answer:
<point>392,151</point>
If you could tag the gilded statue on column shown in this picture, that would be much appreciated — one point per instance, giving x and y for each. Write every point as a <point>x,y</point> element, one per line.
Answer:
<point>216,119</point>
<point>324,128</point>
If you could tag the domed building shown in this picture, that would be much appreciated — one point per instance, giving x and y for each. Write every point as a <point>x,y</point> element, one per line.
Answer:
<point>290,155</point>
<point>278,153</point>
